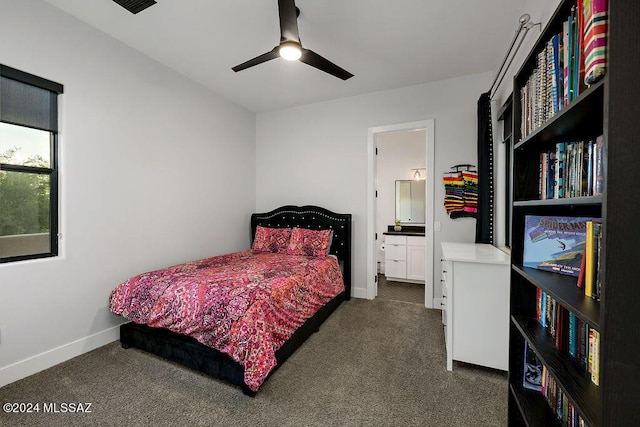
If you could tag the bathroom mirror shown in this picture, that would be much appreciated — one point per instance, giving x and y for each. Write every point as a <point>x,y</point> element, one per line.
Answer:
<point>410,201</point>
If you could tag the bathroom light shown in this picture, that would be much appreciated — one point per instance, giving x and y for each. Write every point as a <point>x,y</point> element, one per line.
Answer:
<point>290,50</point>
<point>416,175</point>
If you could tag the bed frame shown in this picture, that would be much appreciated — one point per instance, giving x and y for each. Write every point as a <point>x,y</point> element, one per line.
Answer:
<point>189,352</point>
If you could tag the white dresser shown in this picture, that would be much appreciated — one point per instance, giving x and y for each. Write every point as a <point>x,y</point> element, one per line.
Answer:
<point>404,258</point>
<point>475,308</point>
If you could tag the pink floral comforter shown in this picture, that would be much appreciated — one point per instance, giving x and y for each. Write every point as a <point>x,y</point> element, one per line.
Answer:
<point>243,304</point>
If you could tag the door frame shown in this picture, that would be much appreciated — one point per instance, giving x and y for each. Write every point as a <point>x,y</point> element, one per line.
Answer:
<point>429,127</point>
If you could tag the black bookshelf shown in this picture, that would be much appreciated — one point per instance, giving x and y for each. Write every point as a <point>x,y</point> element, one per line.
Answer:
<point>580,118</point>
<point>576,383</point>
<point>610,108</point>
<point>564,290</point>
<point>534,409</point>
<point>566,201</point>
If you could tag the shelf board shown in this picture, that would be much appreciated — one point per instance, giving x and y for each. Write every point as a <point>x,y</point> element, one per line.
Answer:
<point>575,383</point>
<point>533,407</point>
<point>563,289</point>
<point>566,201</point>
<point>584,114</point>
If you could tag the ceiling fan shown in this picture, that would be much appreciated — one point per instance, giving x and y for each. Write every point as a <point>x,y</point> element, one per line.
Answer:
<point>290,47</point>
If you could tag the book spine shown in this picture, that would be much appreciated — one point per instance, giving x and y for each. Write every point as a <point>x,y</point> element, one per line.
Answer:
<point>543,308</point>
<point>595,367</point>
<point>576,54</point>
<point>584,160</point>
<point>597,231</point>
<point>565,62</point>
<point>551,167</point>
<point>590,168</point>
<point>572,334</point>
<point>590,358</point>
<point>561,154</point>
<point>584,350</point>
<point>583,261</point>
<point>599,166</point>
<point>538,303</point>
<point>588,253</point>
<point>594,260</point>
<point>542,186</point>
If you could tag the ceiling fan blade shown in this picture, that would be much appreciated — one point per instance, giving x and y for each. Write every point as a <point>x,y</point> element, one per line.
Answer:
<point>288,20</point>
<point>311,58</point>
<point>258,60</point>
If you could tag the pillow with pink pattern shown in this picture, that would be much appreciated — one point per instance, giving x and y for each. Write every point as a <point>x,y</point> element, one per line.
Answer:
<point>274,240</point>
<point>310,242</point>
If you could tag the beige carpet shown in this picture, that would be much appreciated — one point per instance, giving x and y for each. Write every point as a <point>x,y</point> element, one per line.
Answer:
<point>373,363</point>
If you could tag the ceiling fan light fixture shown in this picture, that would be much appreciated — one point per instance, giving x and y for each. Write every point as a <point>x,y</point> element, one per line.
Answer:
<point>290,50</point>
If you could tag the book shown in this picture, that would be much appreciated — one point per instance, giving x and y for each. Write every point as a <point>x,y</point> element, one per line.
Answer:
<point>588,255</point>
<point>543,309</point>
<point>561,154</point>
<point>532,371</point>
<point>555,244</point>
<point>595,367</point>
<point>551,167</point>
<point>583,266</point>
<point>573,334</point>
<point>596,22</point>
<point>591,347</point>
<point>598,180</point>
<point>597,231</point>
<point>584,345</point>
<point>538,303</point>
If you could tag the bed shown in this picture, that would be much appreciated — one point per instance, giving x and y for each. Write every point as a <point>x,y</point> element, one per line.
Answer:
<point>297,290</point>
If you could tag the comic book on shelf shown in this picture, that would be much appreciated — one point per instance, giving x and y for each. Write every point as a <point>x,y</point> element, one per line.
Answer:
<point>532,375</point>
<point>554,243</point>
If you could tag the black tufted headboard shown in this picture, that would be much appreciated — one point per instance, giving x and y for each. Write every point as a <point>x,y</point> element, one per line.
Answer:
<point>315,218</point>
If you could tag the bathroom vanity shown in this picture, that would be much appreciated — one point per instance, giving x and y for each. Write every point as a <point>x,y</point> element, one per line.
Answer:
<point>404,254</point>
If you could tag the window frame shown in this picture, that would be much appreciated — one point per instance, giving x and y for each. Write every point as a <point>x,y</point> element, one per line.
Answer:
<point>505,115</point>
<point>51,171</point>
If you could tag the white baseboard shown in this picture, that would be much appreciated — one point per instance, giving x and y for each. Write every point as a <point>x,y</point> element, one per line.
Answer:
<point>359,293</point>
<point>42,361</point>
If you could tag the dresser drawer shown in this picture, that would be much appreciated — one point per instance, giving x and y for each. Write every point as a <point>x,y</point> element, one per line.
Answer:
<point>445,302</point>
<point>447,267</point>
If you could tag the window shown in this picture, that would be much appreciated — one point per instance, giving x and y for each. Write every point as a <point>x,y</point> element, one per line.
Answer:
<point>28,166</point>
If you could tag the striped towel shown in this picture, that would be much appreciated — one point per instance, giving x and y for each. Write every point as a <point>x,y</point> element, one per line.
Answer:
<point>470,191</point>
<point>596,21</point>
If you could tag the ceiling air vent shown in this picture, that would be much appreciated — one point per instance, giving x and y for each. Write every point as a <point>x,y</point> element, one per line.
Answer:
<point>135,6</point>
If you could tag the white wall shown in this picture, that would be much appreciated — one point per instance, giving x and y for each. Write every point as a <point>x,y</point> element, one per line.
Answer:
<point>540,11</point>
<point>155,170</point>
<point>398,153</point>
<point>317,153</point>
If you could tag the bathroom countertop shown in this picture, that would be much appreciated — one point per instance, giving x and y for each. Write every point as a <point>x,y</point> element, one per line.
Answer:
<point>407,230</point>
<point>403,233</point>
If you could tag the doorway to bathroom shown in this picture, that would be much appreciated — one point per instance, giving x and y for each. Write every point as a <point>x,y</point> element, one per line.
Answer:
<point>400,212</point>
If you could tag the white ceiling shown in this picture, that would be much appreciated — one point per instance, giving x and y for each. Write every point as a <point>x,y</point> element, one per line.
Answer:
<point>385,43</point>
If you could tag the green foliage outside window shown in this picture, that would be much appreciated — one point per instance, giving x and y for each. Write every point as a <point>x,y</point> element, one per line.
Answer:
<point>24,197</point>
